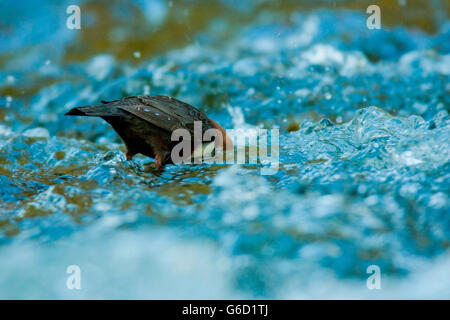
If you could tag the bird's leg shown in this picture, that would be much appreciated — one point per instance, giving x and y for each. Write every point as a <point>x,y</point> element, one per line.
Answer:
<point>159,162</point>
<point>129,155</point>
<point>160,150</point>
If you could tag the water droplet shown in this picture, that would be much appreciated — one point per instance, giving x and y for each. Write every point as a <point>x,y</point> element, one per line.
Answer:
<point>10,79</point>
<point>8,100</point>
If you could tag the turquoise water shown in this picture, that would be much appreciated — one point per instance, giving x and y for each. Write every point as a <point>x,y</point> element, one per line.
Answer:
<point>364,160</point>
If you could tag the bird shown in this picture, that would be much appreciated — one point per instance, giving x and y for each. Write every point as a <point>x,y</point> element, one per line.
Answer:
<point>145,124</point>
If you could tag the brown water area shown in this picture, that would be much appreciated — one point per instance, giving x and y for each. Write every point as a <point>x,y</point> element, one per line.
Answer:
<point>122,35</point>
<point>187,18</point>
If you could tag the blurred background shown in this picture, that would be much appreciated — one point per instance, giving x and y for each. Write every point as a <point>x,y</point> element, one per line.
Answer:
<point>364,150</point>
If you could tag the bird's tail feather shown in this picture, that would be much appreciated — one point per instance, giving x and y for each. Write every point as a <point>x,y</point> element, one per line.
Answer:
<point>99,110</point>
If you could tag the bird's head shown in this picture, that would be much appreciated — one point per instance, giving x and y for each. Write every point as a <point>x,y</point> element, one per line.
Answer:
<point>226,143</point>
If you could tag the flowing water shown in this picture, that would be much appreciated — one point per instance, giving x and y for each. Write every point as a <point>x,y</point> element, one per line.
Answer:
<point>364,149</point>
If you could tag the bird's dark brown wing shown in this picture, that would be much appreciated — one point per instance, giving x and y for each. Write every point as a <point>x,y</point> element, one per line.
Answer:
<point>149,113</point>
<point>164,112</point>
<point>176,108</point>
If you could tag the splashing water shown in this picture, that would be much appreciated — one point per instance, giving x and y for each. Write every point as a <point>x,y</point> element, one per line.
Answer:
<point>363,177</point>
